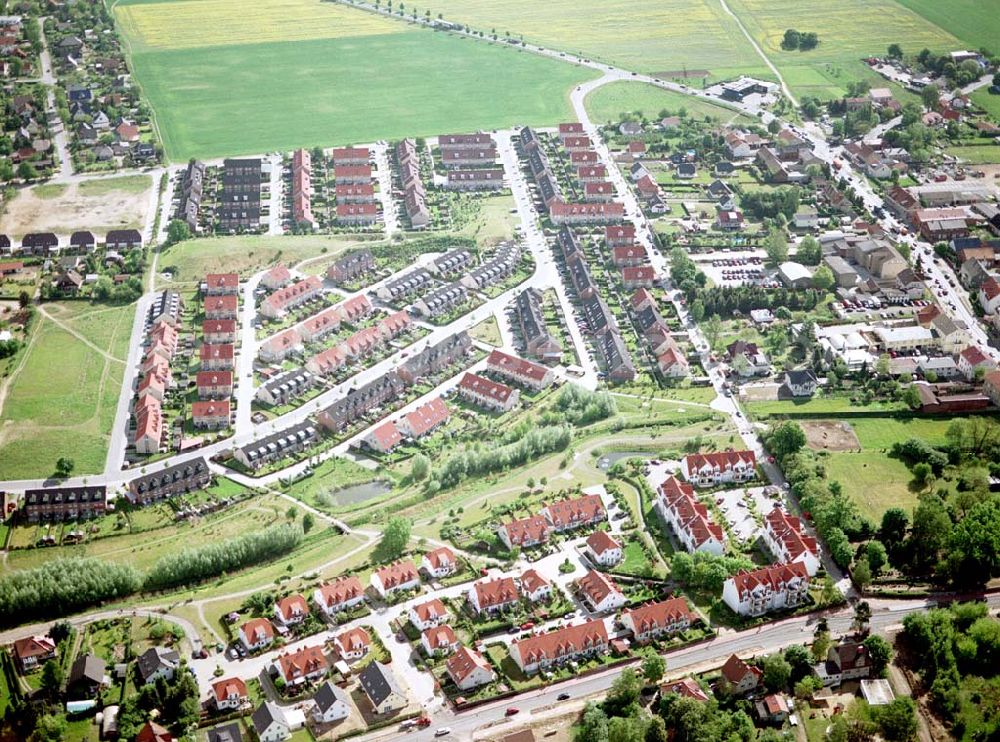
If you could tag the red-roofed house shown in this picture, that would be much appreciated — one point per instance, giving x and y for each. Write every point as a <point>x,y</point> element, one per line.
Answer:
<point>355,193</point>
<point>486,393</point>
<point>531,375</point>
<point>357,213</point>
<point>576,142</point>
<point>625,255</point>
<point>677,506</point>
<point>256,634</point>
<point>972,358</point>
<point>598,191</point>
<point>352,173</point>
<point>560,646</point>
<point>321,324</point>
<point>741,677</point>
<point>229,693</point>
<point>785,538</point>
<point>383,438</point>
<point>222,283</point>
<point>686,688</point>
<point>219,331</point>
<point>352,644</point>
<point>275,278</point>
<point>291,296</point>
<point>153,732</point>
<point>493,596</point>
<point>534,587</point>
<point>307,664</point>
<point>217,357</point>
<point>591,173</point>
<point>429,614</point>
<point>561,212</point>
<point>989,295</point>
<point>524,532</point>
<point>279,347</point>
<point>439,640</point>
<point>565,515</point>
<point>571,129</point>
<point>425,419</point>
<point>211,414</point>
<point>622,235</point>
<point>340,595</point>
<point>221,307</point>
<point>600,592</point>
<point>604,549</point>
<point>672,363</point>
<point>654,620</point>
<point>395,577</point>
<point>468,669</point>
<point>148,425</point>
<point>350,156</point>
<point>774,588</point>
<point>639,276</point>
<point>722,467</point>
<point>291,610</point>
<point>439,562</point>
<point>34,651</point>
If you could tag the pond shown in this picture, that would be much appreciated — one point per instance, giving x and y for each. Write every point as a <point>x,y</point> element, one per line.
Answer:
<point>359,492</point>
<point>610,459</point>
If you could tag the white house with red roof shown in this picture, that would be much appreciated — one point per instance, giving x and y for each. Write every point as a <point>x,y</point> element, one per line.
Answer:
<point>488,393</point>
<point>741,677</point>
<point>257,633</point>
<point>773,588</point>
<point>663,618</point>
<point>291,610</point>
<point>534,587</point>
<point>534,376</point>
<point>352,644</point>
<point>217,284</point>
<point>600,592</point>
<point>439,562</point>
<point>33,651</point>
<point>214,384</point>
<point>468,669</point>
<point>229,693</point>
<point>291,296</point>
<point>560,646</point>
<point>571,513</point>
<point>972,358</point>
<point>383,437</point>
<point>686,688</point>
<point>306,665</point>
<point>989,295</point>
<point>524,532</point>
<point>217,357</point>
<point>340,595</point>
<point>395,577</point>
<point>429,614</point>
<point>210,414</point>
<point>493,596</point>
<point>619,235</point>
<point>604,549</point>
<point>721,467</point>
<point>279,347</point>
<point>785,537</point>
<point>678,507</point>
<point>439,640</point>
<point>221,306</point>
<point>672,362</point>
<point>275,278</point>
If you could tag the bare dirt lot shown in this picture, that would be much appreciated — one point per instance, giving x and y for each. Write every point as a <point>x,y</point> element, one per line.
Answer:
<point>97,205</point>
<point>830,435</point>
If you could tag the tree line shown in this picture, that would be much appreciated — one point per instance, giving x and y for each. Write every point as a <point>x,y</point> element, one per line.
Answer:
<point>479,460</point>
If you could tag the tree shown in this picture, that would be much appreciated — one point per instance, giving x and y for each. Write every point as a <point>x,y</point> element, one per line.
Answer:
<point>26,171</point>
<point>23,299</point>
<point>897,720</point>
<point>777,672</point>
<point>653,668</point>
<point>922,473</point>
<point>594,725</point>
<point>64,466</point>
<point>799,660</point>
<point>895,523</point>
<point>895,51</point>
<point>911,397</point>
<point>395,537</point>
<point>876,554</point>
<point>930,96</point>
<point>308,521</point>
<point>862,573</point>
<point>178,231</point>
<point>862,616</point>
<point>697,310</point>
<point>60,631</point>
<point>975,545</point>
<point>823,278</point>
<point>657,730</point>
<point>292,513</point>
<point>420,467</point>
<point>820,646</point>
<point>624,692</point>
<point>879,651</point>
<point>790,41</point>
<point>810,252</point>
<point>52,678</point>
<point>776,247</point>
<point>50,728</point>
<point>712,327</point>
<point>774,126</point>
<point>785,439</point>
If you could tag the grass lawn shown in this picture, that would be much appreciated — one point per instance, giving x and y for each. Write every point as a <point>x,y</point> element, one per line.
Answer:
<point>50,190</point>
<point>352,76</point>
<point>246,254</point>
<point>873,480</point>
<point>488,332</point>
<point>608,102</point>
<point>778,408</point>
<point>492,222</point>
<point>989,102</point>
<point>126,184</point>
<point>849,30</point>
<point>654,36</point>
<point>62,399</point>
<point>975,22</point>
<point>883,432</point>
<point>977,154</point>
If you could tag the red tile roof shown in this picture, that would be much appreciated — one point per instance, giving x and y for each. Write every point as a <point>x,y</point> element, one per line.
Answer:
<point>440,557</point>
<point>226,303</point>
<point>496,592</point>
<point>788,530</point>
<point>775,577</point>
<point>397,574</point>
<point>352,640</point>
<point>571,511</point>
<point>561,642</point>
<point>440,636</point>
<point>531,581</point>
<point>516,367</point>
<point>256,629</point>
<point>973,356</point>
<point>306,661</point>
<point>432,610</point>
<point>212,409</point>
<point>225,689</point>
<point>597,586</point>
<point>427,417</point>
<point>600,542</point>
<point>387,435</point>
<point>217,326</point>
<point>485,387</point>
<point>659,615</point>
<point>531,529</point>
<point>735,669</point>
<point>341,590</point>
<point>464,662</point>
<point>293,605</point>
<point>222,280</point>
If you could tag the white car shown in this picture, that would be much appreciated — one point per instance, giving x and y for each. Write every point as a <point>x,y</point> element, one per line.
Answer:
<point>442,731</point>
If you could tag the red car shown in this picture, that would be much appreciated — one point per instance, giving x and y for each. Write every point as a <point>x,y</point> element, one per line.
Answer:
<point>511,711</point>
<point>527,625</point>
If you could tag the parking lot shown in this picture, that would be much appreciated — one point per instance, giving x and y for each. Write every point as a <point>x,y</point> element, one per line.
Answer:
<point>740,506</point>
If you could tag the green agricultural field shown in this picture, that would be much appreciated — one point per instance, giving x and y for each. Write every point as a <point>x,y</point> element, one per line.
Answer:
<point>975,22</point>
<point>989,102</point>
<point>977,154</point>
<point>661,37</point>
<point>347,75</point>
<point>61,400</point>
<point>849,30</point>
<point>609,102</point>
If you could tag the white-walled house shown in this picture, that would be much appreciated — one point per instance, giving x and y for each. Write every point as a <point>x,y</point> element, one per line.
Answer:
<point>774,588</point>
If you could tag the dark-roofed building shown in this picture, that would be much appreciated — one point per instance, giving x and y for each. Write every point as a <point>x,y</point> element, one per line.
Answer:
<point>435,358</point>
<point>538,341</point>
<point>83,241</point>
<point>178,479</point>
<point>286,387</point>
<point>39,243</point>
<point>64,503</point>
<point>801,382</point>
<point>483,179</point>
<point>382,689</point>
<point>158,662</point>
<point>86,676</point>
<point>231,732</point>
<point>123,239</point>
<point>278,445</point>
<point>359,402</point>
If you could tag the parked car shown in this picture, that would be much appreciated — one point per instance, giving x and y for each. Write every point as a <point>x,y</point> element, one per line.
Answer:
<point>512,710</point>
<point>442,731</point>
<point>562,697</point>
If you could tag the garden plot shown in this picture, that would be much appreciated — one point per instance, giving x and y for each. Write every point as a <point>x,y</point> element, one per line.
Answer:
<point>830,435</point>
